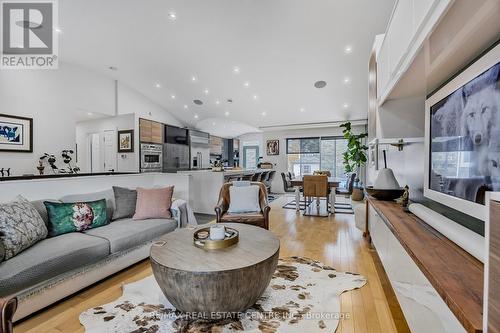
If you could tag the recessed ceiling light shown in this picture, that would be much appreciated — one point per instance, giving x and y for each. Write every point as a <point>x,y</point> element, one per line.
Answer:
<point>206,91</point>
<point>90,114</point>
<point>194,78</point>
<point>255,97</point>
<point>229,100</point>
<point>185,106</point>
<point>58,30</point>
<point>198,102</point>
<point>196,116</point>
<point>217,102</point>
<point>345,105</point>
<point>302,110</point>
<point>172,16</point>
<point>213,123</point>
<point>236,70</point>
<point>172,96</point>
<point>226,113</point>
<point>264,113</point>
<point>320,84</point>
<point>157,85</point>
<point>246,84</point>
<point>348,49</point>
<point>347,80</point>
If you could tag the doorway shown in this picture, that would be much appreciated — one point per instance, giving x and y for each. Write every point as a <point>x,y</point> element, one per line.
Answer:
<point>102,151</point>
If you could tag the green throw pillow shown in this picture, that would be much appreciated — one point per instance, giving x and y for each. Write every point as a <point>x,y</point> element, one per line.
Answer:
<point>76,216</point>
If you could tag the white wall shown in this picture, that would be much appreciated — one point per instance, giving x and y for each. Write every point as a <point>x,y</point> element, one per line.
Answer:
<point>280,161</point>
<point>125,162</point>
<point>53,98</point>
<point>401,118</point>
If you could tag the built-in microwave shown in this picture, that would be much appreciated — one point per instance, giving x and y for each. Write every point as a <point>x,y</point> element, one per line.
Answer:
<point>151,157</point>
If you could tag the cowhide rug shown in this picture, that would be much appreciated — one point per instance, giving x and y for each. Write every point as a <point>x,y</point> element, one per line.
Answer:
<point>303,296</point>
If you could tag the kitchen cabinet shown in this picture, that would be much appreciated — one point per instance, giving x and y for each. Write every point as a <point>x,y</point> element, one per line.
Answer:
<point>150,131</point>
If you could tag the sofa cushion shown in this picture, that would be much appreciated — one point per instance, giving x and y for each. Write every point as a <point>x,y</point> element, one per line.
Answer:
<point>94,196</point>
<point>49,258</point>
<point>252,218</point>
<point>40,208</point>
<point>128,233</point>
<point>20,226</point>
<point>125,201</point>
<point>153,203</point>
<point>77,216</point>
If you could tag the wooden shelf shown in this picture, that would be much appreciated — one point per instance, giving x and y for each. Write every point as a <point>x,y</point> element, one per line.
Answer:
<point>455,274</point>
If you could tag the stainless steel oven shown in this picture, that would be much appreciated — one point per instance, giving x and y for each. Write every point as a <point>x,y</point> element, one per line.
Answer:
<point>151,157</point>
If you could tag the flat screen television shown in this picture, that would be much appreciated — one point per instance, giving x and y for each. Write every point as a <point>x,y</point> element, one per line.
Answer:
<point>463,137</point>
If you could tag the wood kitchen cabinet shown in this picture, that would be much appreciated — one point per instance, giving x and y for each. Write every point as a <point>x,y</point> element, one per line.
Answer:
<point>215,145</point>
<point>150,131</point>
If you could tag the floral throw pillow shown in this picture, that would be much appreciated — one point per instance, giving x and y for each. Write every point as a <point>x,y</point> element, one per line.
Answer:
<point>20,227</point>
<point>75,216</point>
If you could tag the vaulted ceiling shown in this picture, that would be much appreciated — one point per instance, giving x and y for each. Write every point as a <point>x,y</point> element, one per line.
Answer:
<point>263,55</point>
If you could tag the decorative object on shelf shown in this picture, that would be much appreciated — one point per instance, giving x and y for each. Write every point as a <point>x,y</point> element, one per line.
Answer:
<point>386,186</point>
<point>400,144</point>
<point>404,199</point>
<point>126,141</point>
<point>354,156</point>
<point>16,134</point>
<point>218,166</point>
<point>51,159</point>
<point>40,167</point>
<point>5,172</point>
<point>67,158</point>
<point>224,237</point>
<point>273,147</point>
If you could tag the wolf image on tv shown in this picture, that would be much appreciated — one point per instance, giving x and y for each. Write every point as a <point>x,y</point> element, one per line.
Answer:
<point>465,139</point>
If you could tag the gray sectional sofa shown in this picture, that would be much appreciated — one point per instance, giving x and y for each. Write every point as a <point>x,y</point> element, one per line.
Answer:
<point>59,266</point>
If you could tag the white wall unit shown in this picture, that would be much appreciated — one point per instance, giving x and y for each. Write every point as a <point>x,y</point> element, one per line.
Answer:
<point>411,23</point>
<point>424,309</point>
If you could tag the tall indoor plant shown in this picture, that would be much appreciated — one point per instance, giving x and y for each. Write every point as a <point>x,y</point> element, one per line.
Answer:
<point>354,156</point>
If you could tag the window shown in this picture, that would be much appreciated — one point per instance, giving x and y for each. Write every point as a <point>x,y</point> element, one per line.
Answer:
<point>306,155</point>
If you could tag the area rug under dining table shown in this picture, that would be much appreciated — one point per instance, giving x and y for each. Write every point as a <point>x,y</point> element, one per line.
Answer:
<point>303,296</point>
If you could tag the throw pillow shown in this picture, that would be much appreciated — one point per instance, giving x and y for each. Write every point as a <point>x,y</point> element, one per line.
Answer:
<point>75,216</point>
<point>125,201</point>
<point>20,226</point>
<point>244,199</point>
<point>153,203</point>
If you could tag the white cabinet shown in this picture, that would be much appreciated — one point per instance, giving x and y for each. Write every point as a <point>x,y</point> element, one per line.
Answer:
<point>411,23</point>
<point>424,309</point>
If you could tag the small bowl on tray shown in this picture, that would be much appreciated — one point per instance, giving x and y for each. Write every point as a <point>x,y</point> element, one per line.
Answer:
<point>384,194</point>
<point>201,239</point>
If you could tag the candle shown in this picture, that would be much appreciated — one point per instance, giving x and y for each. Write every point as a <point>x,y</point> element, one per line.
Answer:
<point>217,232</point>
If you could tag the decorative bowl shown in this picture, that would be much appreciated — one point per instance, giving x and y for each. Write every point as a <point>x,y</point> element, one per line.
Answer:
<point>202,240</point>
<point>384,194</point>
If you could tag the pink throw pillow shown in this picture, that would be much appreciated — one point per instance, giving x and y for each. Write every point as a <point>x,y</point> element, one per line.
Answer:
<point>153,203</point>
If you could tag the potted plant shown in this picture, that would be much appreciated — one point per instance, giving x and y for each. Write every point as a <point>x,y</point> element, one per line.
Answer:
<point>354,157</point>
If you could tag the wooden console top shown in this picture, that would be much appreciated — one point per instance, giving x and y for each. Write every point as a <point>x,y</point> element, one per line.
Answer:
<point>455,274</point>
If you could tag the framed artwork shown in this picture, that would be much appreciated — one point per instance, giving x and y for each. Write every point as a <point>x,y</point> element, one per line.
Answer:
<point>16,134</point>
<point>126,141</point>
<point>273,147</point>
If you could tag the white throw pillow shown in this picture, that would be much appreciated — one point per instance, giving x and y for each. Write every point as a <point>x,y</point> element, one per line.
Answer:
<point>244,199</point>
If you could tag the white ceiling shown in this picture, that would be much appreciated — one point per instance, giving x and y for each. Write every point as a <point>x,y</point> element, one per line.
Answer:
<point>280,46</point>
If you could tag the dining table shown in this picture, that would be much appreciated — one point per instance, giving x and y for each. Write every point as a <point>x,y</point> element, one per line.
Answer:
<point>333,183</point>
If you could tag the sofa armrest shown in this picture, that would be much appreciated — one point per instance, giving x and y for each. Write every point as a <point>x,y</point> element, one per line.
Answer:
<point>221,208</point>
<point>8,307</point>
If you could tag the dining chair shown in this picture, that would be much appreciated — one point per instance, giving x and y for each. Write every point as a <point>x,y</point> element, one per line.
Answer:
<point>346,191</point>
<point>316,187</point>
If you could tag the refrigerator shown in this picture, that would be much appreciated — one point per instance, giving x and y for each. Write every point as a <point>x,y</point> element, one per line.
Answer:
<point>200,149</point>
<point>175,149</point>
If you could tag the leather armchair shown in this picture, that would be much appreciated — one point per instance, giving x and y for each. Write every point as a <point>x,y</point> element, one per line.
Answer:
<point>260,219</point>
<point>8,307</point>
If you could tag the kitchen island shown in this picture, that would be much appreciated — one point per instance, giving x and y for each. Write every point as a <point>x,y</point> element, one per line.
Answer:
<point>204,187</point>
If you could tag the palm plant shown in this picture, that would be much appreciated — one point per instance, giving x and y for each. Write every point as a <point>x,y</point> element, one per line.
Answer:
<point>354,156</point>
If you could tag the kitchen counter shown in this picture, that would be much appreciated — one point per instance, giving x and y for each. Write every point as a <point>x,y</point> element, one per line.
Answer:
<point>62,175</point>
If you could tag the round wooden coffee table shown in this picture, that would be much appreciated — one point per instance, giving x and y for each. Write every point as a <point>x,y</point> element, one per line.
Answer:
<point>210,282</point>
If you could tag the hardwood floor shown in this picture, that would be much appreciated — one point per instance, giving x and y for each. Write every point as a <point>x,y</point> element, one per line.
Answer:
<point>333,240</point>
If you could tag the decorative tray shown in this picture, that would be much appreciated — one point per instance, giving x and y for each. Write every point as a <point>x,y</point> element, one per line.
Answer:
<point>201,239</point>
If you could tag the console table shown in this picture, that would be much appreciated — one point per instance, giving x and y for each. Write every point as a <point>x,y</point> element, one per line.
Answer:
<point>438,285</point>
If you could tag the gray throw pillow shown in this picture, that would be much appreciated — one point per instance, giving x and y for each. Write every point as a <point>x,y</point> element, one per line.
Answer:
<point>20,226</point>
<point>244,199</point>
<point>125,201</point>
